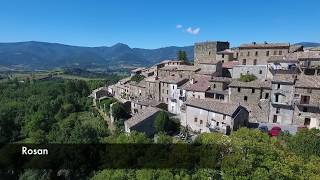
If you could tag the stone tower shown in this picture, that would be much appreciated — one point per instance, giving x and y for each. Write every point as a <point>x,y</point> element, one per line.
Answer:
<point>205,52</point>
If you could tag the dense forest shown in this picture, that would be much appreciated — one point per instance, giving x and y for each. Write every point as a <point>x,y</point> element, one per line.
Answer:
<point>59,111</point>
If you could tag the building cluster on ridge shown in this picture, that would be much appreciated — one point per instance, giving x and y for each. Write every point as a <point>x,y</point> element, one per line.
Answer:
<point>209,95</point>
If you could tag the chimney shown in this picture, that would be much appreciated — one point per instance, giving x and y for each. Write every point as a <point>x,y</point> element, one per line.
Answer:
<point>192,80</point>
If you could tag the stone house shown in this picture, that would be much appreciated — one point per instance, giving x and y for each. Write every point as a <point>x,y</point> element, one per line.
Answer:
<point>310,62</point>
<point>153,88</point>
<point>138,105</point>
<point>185,71</point>
<point>307,101</point>
<point>287,64</point>
<point>258,53</point>
<point>218,89</point>
<point>142,121</point>
<point>169,87</point>
<point>203,115</point>
<point>281,105</point>
<point>249,92</point>
<point>260,71</point>
<point>137,89</point>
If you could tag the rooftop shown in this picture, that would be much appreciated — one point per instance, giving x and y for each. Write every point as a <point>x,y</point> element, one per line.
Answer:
<point>265,45</point>
<point>146,102</point>
<point>215,106</point>
<point>173,80</point>
<point>220,79</point>
<point>304,81</point>
<point>138,84</point>
<point>141,116</point>
<point>252,84</point>
<point>199,84</point>
<point>180,68</point>
<point>289,58</point>
<point>284,78</point>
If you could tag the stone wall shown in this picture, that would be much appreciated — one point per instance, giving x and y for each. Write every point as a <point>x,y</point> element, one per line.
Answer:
<point>260,71</point>
<point>205,52</point>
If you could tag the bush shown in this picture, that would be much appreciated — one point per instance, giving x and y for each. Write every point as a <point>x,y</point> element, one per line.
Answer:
<point>247,78</point>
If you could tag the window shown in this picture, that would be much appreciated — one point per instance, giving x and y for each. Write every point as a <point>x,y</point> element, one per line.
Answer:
<point>224,117</point>
<point>305,99</point>
<point>195,119</point>
<point>222,55</point>
<point>245,98</point>
<point>275,118</point>
<point>167,100</point>
<point>255,62</point>
<point>237,54</point>
<point>277,110</point>
<point>280,52</point>
<point>278,87</point>
<point>209,53</point>
<point>167,92</point>
<point>239,89</point>
<point>217,123</point>
<point>267,53</point>
<point>244,62</point>
<point>309,90</point>
<point>274,52</point>
<point>266,96</point>
<point>276,98</point>
<point>173,87</point>
<point>198,96</point>
<point>201,122</point>
<point>253,90</point>
<point>260,72</point>
<point>305,109</point>
<point>307,121</point>
<point>214,86</point>
<point>248,53</point>
<point>256,53</point>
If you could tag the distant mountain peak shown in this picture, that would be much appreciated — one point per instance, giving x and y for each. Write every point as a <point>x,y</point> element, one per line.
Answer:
<point>120,45</point>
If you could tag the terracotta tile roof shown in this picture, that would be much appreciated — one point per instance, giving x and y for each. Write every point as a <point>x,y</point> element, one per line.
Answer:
<point>292,57</point>
<point>252,84</point>
<point>215,106</point>
<point>199,85</point>
<point>141,116</point>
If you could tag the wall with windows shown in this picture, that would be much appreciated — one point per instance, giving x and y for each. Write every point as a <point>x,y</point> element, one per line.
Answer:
<point>260,71</point>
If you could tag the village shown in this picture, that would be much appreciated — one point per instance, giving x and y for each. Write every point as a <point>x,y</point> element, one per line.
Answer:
<point>271,86</point>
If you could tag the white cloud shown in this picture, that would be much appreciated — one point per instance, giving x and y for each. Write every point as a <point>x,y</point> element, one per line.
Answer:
<point>193,31</point>
<point>178,26</point>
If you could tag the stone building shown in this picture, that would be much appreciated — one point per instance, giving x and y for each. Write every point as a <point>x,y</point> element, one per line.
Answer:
<point>168,87</point>
<point>260,71</point>
<point>203,115</point>
<point>249,92</point>
<point>307,101</point>
<point>186,71</point>
<point>137,89</point>
<point>310,62</point>
<point>287,64</point>
<point>218,89</point>
<point>281,105</point>
<point>258,53</point>
<point>207,58</point>
<point>153,88</point>
<point>138,105</point>
<point>142,121</point>
<point>206,52</point>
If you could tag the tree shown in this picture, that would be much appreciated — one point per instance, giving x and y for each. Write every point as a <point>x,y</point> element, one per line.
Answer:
<point>137,78</point>
<point>182,56</point>
<point>162,122</point>
<point>119,111</point>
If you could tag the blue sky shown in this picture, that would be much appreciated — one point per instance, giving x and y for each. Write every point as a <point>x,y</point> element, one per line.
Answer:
<point>155,23</point>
